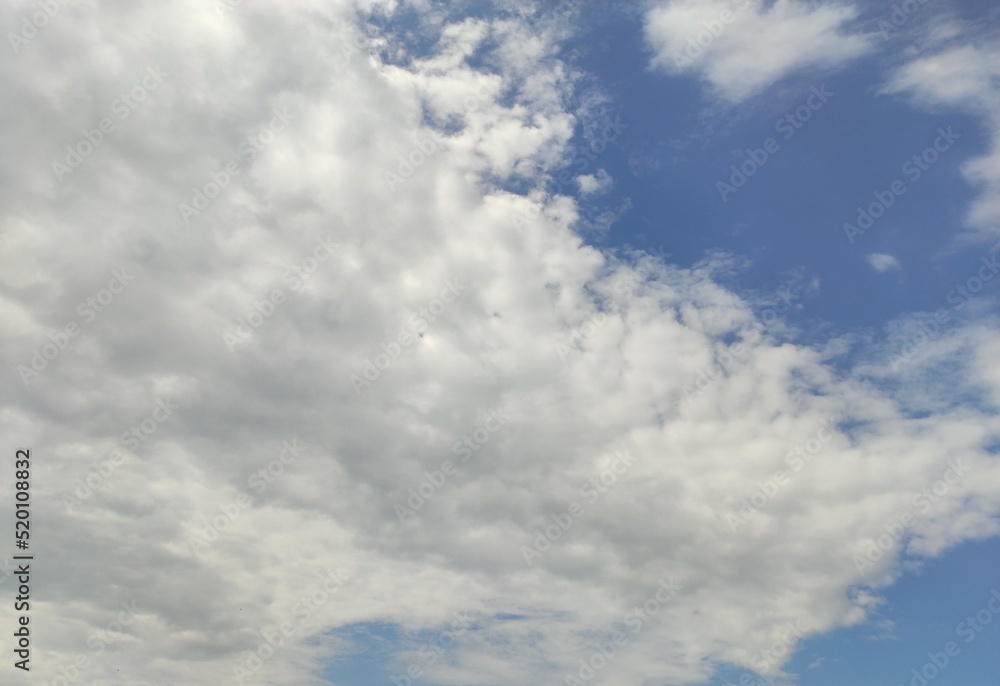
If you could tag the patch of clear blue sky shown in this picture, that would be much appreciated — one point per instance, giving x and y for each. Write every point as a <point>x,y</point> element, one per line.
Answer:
<point>789,215</point>
<point>789,218</point>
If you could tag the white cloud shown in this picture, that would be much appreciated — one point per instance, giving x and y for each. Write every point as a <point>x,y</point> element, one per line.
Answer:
<point>595,184</point>
<point>882,263</point>
<point>965,77</point>
<point>740,47</point>
<point>634,337</point>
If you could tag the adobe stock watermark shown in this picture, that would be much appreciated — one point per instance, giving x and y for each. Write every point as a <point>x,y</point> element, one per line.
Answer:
<point>638,274</point>
<point>636,620</point>
<point>756,158</point>
<point>574,342</point>
<point>727,360</point>
<point>914,168</point>
<point>766,659</point>
<point>231,511</point>
<point>131,439</point>
<point>962,293</point>
<point>432,651</point>
<point>563,521</point>
<point>735,355</point>
<point>356,42</point>
<point>296,276</point>
<point>434,142</point>
<point>301,611</point>
<point>434,481</point>
<point>713,28</point>
<point>392,349</point>
<point>796,458</point>
<point>247,151</point>
<point>958,297</point>
<point>924,501</point>
<point>902,12</point>
<point>98,642</point>
<point>122,106</point>
<point>969,629</point>
<point>409,162</point>
<point>581,161</point>
<point>31,25</point>
<point>59,340</point>
<point>522,220</point>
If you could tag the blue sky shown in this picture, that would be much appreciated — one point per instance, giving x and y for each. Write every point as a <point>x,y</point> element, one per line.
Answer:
<point>521,349</point>
<point>789,216</point>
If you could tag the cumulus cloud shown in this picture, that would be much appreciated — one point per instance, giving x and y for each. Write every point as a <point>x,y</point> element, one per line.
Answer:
<point>741,47</point>
<point>595,184</point>
<point>353,296</point>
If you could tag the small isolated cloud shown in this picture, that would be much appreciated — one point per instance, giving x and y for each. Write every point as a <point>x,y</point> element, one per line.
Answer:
<point>595,184</point>
<point>882,263</point>
<point>964,76</point>
<point>741,48</point>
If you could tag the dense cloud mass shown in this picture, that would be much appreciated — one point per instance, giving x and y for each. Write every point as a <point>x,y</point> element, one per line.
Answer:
<point>300,336</point>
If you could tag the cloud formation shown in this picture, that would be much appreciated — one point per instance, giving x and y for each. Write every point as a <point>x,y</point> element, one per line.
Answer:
<point>882,263</point>
<point>265,498</point>
<point>740,47</point>
<point>963,76</point>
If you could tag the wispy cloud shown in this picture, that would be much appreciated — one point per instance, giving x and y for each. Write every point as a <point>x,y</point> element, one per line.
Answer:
<point>882,263</point>
<point>740,47</point>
